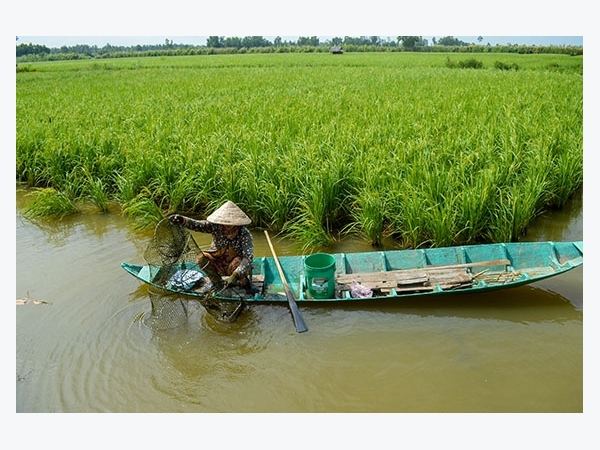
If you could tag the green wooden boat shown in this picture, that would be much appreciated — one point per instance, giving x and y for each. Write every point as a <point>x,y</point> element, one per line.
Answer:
<point>377,275</point>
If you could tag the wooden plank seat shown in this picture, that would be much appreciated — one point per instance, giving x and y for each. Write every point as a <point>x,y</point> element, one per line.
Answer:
<point>412,280</point>
<point>451,276</point>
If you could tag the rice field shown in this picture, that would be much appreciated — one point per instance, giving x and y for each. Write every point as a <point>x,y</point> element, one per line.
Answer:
<point>316,146</point>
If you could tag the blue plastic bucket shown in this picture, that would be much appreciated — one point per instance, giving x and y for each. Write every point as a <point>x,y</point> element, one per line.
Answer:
<point>320,275</point>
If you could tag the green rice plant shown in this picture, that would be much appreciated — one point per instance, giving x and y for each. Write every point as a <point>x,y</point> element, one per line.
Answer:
<point>318,209</point>
<point>307,229</point>
<point>441,225</point>
<point>407,223</point>
<point>273,207</point>
<point>143,210</point>
<point>476,201</point>
<point>470,63</point>
<point>568,177</point>
<point>95,190</point>
<point>312,144</point>
<point>518,206</point>
<point>369,211</point>
<point>171,184</point>
<point>229,181</point>
<point>206,169</point>
<point>269,186</point>
<point>311,217</point>
<point>126,190</point>
<point>48,202</point>
<point>430,212</point>
<point>503,220</point>
<point>504,66</point>
<point>97,194</point>
<point>566,172</point>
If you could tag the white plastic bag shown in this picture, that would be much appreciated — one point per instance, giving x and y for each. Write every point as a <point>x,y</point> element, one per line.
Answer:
<point>360,291</point>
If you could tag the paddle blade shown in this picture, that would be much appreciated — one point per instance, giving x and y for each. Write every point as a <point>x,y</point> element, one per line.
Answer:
<point>298,319</point>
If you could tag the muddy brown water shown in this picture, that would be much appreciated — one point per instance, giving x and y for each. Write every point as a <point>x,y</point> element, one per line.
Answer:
<point>89,350</point>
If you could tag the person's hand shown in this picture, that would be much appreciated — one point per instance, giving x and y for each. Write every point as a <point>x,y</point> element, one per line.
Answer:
<point>176,219</point>
<point>230,280</point>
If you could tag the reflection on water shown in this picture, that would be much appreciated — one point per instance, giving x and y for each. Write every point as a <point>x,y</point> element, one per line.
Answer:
<point>563,225</point>
<point>523,304</point>
<point>91,350</point>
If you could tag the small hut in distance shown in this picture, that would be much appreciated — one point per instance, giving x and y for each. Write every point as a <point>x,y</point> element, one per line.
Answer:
<point>336,50</point>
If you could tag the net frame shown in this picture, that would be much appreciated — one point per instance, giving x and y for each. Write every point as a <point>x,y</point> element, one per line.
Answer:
<point>171,244</point>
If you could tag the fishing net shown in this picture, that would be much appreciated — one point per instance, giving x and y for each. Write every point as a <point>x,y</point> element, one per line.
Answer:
<point>226,312</point>
<point>169,254</point>
<point>168,310</point>
<point>171,244</point>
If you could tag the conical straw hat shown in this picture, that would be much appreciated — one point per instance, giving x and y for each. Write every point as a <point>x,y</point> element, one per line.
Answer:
<point>229,214</point>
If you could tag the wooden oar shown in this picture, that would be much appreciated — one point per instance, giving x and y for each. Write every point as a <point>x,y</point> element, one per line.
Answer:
<point>298,320</point>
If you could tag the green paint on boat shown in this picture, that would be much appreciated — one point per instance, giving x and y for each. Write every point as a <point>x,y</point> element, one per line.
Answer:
<point>395,274</point>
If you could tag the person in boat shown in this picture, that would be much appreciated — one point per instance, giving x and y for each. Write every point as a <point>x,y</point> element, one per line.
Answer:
<point>228,261</point>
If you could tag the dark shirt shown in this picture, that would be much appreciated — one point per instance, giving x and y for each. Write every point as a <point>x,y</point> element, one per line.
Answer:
<point>242,243</point>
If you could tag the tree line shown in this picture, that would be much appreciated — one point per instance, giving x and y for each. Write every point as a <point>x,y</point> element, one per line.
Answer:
<point>221,44</point>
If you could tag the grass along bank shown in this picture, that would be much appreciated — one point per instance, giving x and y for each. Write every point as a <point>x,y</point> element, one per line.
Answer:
<point>313,145</point>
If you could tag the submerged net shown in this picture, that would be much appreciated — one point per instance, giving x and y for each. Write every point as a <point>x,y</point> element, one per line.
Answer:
<point>222,311</point>
<point>168,310</point>
<point>168,255</point>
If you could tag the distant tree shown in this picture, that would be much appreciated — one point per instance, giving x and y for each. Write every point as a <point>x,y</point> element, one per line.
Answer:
<point>214,42</point>
<point>32,49</point>
<point>388,42</point>
<point>255,42</point>
<point>409,42</point>
<point>81,49</point>
<point>309,41</point>
<point>479,39</point>
<point>234,42</point>
<point>337,41</point>
<point>363,40</point>
<point>277,41</point>
<point>452,42</point>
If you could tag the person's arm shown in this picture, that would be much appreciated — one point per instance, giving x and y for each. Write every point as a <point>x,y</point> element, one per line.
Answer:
<point>202,226</point>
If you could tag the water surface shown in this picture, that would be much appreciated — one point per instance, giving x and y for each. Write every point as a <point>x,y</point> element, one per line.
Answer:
<point>91,350</point>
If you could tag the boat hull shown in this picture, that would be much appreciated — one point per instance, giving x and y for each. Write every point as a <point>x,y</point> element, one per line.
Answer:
<point>393,274</point>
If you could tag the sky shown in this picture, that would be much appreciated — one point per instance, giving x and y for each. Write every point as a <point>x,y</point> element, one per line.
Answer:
<point>122,22</point>
<point>100,41</point>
